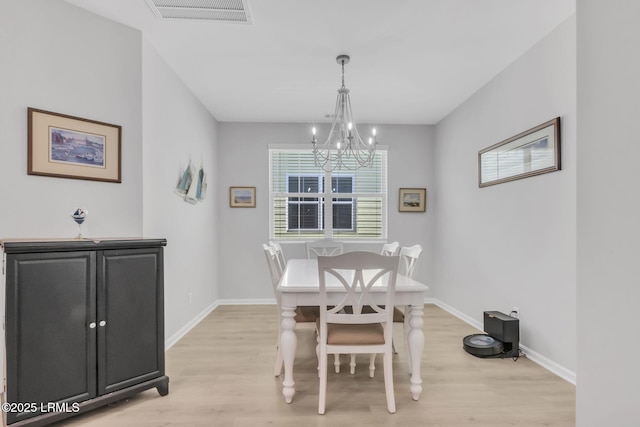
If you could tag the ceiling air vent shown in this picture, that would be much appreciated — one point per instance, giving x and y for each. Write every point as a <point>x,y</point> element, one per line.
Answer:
<point>233,11</point>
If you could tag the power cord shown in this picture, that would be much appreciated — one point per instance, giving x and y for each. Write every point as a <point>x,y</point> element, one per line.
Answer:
<point>520,354</point>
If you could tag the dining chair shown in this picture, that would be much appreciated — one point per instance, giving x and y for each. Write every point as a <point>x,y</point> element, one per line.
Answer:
<point>279,253</point>
<point>324,247</point>
<point>356,332</point>
<point>329,247</point>
<point>389,249</point>
<point>304,314</point>
<point>409,259</point>
<point>409,256</point>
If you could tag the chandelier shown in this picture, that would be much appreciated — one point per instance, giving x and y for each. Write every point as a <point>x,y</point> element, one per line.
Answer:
<point>344,148</point>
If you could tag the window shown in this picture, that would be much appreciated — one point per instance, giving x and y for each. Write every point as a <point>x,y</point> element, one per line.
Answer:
<point>303,206</point>
<point>307,213</point>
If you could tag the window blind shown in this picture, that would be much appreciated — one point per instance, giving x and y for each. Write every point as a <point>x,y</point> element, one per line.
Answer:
<point>308,203</point>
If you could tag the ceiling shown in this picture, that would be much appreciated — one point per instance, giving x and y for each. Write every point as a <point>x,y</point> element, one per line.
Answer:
<point>412,61</point>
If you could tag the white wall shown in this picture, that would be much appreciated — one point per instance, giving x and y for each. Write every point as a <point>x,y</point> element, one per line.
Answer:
<point>99,75</point>
<point>411,162</point>
<point>177,129</point>
<point>243,161</point>
<point>608,212</point>
<point>513,244</point>
<point>59,58</point>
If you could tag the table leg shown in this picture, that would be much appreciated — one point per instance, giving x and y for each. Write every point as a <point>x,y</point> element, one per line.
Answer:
<point>416,346</point>
<point>288,344</point>
<point>405,336</point>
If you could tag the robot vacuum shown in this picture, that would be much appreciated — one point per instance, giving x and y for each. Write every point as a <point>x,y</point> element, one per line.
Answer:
<point>482,345</point>
<point>502,338</point>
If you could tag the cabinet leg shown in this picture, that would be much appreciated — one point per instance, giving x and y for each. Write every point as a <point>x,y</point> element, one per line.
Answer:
<point>163,387</point>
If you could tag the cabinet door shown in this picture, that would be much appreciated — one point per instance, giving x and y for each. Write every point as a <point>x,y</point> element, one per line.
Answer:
<point>51,350</point>
<point>130,317</point>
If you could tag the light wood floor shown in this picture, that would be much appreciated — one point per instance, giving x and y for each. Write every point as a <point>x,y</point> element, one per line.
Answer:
<point>221,375</point>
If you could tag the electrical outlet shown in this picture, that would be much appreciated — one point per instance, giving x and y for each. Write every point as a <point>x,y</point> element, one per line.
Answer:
<point>515,312</point>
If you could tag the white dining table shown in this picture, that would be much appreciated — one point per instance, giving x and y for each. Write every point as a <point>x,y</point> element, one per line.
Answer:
<point>299,287</point>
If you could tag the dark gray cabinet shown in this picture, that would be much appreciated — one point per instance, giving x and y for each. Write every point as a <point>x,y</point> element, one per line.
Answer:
<point>84,325</point>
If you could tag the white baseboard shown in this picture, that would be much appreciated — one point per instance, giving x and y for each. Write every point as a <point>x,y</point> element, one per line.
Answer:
<point>541,360</point>
<point>534,356</point>
<point>550,365</point>
<point>267,301</point>
<point>460,315</point>
<point>169,342</point>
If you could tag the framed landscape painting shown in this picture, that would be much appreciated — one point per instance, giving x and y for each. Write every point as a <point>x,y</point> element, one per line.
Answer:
<point>72,147</point>
<point>413,200</point>
<point>242,197</point>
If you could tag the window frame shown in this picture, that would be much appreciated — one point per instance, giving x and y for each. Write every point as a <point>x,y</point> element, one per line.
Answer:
<point>374,200</point>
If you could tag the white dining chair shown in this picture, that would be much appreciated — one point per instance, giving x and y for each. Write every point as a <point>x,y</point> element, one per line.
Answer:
<point>390,249</point>
<point>280,254</point>
<point>356,332</point>
<point>409,259</point>
<point>328,247</point>
<point>324,247</point>
<point>304,314</point>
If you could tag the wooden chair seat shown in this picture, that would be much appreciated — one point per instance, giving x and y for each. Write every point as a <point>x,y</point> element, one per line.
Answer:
<point>367,334</point>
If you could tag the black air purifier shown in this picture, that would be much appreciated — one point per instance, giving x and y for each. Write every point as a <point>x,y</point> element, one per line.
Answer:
<point>502,338</point>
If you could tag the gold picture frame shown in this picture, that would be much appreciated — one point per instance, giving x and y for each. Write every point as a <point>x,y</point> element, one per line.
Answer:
<point>412,200</point>
<point>65,146</point>
<point>242,197</point>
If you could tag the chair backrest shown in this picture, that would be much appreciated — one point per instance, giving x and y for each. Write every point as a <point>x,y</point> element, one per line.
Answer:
<point>390,249</point>
<point>409,258</point>
<point>358,272</point>
<point>323,247</point>
<point>279,253</point>
<point>274,269</point>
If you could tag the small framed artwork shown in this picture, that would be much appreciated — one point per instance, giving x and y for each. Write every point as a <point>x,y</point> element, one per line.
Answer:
<point>413,200</point>
<point>532,152</point>
<point>72,147</point>
<point>242,197</point>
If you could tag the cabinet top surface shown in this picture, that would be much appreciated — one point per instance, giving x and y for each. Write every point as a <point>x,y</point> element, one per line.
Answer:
<point>41,245</point>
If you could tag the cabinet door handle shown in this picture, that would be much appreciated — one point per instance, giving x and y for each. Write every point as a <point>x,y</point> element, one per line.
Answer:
<point>92,325</point>
<point>103,322</point>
